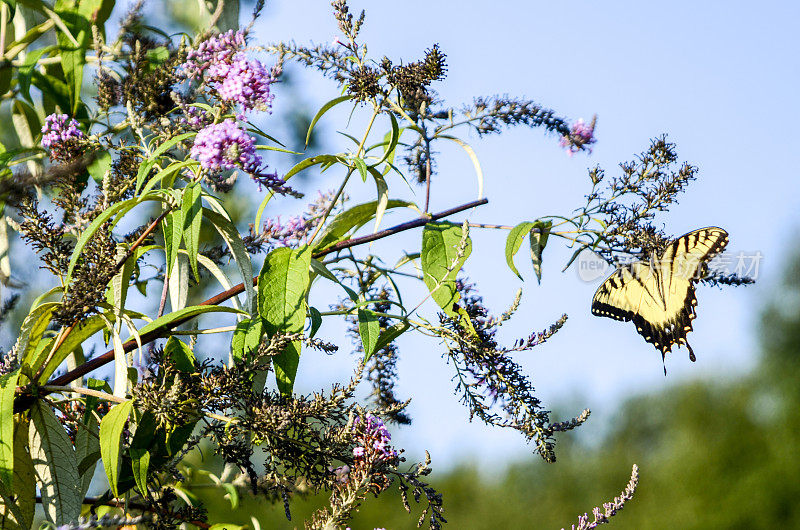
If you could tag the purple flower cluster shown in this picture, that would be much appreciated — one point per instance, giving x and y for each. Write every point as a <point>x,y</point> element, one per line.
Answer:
<point>196,118</point>
<point>220,48</point>
<point>581,135</point>
<point>243,82</point>
<point>374,438</point>
<point>224,146</point>
<point>294,231</point>
<point>8,362</point>
<point>62,137</point>
<point>236,79</point>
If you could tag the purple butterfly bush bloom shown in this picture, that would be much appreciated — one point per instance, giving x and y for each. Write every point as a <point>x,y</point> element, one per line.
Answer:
<point>236,79</point>
<point>374,441</point>
<point>217,49</point>
<point>62,137</point>
<point>224,146</point>
<point>581,135</point>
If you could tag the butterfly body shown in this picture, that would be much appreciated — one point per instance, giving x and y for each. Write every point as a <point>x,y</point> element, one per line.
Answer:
<point>658,295</point>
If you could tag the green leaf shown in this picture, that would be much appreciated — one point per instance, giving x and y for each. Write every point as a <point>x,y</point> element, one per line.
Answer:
<point>319,268</point>
<point>383,196</point>
<point>361,166</point>
<point>87,443</point>
<point>390,334</point>
<point>316,321</point>
<point>538,240</point>
<point>472,156</point>
<point>18,504</point>
<point>441,263</point>
<point>12,7</point>
<point>55,466</point>
<point>172,228</point>
<point>394,138</point>
<point>186,312</point>
<point>156,57</point>
<point>119,208</point>
<point>369,328</point>
<point>26,123</point>
<point>33,327</point>
<point>110,432</point>
<point>192,210</point>
<point>53,89</point>
<point>168,175</point>
<point>99,166</point>
<point>514,241</point>
<point>83,331</point>
<point>240,255</point>
<point>26,71</point>
<point>180,354</point>
<point>73,56</point>
<point>246,338</point>
<point>147,165</point>
<point>282,286</point>
<point>140,462</point>
<point>321,112</point>
<point>353,219</point>
<point>8,384</point>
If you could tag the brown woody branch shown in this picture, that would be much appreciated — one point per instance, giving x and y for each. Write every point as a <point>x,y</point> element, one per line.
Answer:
<point>24,401</point>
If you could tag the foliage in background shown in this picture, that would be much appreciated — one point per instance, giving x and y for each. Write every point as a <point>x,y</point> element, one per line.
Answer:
<point>169,134</point>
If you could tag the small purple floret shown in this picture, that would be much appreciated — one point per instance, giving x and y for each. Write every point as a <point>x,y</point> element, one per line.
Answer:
<point>62,137</point>
<point>580,136</point>
<point>224,146</point>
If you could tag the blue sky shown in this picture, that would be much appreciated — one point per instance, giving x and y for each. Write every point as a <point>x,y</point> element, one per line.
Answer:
<point>719,77</point>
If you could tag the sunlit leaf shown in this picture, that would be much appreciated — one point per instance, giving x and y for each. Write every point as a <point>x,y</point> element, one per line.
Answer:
<point>192,209</point>
<point>8,384</point>
<point>282,286</point>
<point>538,240</point>
<point>353,219</point>
<point>321,112</point>
<point>514,241</point>
<point>368,328</point>
<point>110,432</point>
<point>55,465</point>
<point>441,262</point>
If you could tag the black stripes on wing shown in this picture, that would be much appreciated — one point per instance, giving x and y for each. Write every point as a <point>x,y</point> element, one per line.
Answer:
<point>662,305</point>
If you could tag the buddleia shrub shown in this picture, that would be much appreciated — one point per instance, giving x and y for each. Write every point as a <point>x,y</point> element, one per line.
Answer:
<point>127,188</point>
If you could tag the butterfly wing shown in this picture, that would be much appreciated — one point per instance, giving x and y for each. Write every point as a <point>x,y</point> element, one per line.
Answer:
<point>659,295</point>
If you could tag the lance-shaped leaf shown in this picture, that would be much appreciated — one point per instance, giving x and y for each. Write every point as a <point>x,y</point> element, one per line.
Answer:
<point>55,465</point>
<point>18,503</point>
<point>87,444</point>
<point>443,254</point>
<point>388,335</point>
<point>192,210</point>
<point>369,328</point>
<point>282,287</point>
<point>172,227</point>
<point>33,327</point>
<point>246,338</point>
<point>179,354</point>
<point>355,218</point>
<point>8,383</point>
<point>321,112</point>
<point>110,432</point>
<point>514,241</point>
<point>230,234</point>
<point>538,239</point>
